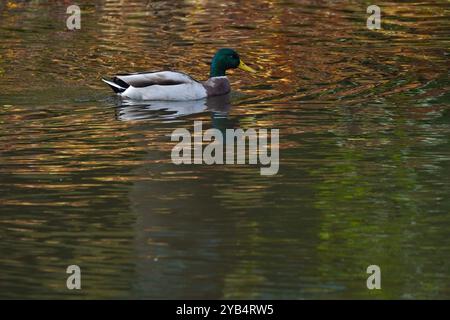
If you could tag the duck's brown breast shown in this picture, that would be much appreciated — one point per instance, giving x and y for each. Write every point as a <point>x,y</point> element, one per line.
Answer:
<point>217,86</point>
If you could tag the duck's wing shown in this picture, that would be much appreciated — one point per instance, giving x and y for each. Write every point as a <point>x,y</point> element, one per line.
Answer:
<point>164,85</point>
<point>146,79</point>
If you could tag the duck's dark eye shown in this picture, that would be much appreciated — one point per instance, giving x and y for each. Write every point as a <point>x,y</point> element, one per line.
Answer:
<point>235,56</point>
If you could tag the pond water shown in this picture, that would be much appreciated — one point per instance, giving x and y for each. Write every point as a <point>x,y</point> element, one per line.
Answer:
<point>364,122</point>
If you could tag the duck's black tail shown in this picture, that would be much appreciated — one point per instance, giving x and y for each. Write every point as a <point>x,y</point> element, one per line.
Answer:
<point>116,88</point>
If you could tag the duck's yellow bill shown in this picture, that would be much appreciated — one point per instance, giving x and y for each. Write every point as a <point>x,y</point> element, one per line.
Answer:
<point>245,67</point>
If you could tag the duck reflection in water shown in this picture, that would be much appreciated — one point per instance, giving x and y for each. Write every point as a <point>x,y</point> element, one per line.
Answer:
<point>129,110</point>
<point>170,215</point>
<point>178,240</point>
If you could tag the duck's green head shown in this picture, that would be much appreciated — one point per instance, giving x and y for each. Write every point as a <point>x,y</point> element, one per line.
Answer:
<point>226,59</point>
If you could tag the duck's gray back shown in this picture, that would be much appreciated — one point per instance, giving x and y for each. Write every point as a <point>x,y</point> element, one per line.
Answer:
<point>217,86</point>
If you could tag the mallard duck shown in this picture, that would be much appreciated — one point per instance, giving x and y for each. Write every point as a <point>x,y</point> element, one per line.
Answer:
<point>178,86</point>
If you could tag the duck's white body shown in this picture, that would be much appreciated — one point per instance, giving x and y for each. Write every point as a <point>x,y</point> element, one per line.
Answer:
<point>180,92</point>
<point>166,86</point>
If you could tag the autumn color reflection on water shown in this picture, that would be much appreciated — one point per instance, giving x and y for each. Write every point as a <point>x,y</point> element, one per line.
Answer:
<point>364,152</point>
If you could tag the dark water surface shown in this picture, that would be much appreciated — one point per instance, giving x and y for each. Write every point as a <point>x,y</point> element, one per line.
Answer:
<point>364,178</point>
